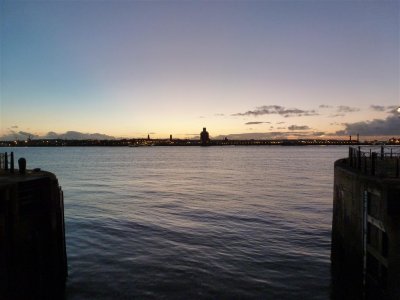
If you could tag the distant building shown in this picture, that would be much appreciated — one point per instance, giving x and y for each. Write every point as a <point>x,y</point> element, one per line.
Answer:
<point>393,140</point>
<point>204,137</point>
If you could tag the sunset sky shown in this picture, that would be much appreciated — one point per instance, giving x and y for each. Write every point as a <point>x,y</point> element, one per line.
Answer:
<point>265,69</point>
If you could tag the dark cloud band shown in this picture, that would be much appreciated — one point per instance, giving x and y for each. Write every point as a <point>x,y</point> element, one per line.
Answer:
<point>277,110</point>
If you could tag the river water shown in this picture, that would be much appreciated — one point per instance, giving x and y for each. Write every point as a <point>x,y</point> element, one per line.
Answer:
<point>195,222</point>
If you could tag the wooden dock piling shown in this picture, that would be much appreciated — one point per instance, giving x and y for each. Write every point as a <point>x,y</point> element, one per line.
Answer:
<point>33,261</point>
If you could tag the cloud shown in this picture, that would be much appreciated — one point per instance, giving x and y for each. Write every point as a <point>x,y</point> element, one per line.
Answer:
<point>271,135</point>
<point>336,115</point>
<point>295,127</point>
<point>69,135</point>
<point>281,123</point>
<point>256,123</point>
<point>14,127</point>
<point>377,107</point>
<point>52,135</point>
<point>393,109</point>
<point>376,127</point>
<point>219,115</point>
<point>277,110</point>
<point>27,134</point>
<point>20,135</point>
<point>346,109</point>
<point>76,135</point>
<point>390,108</point>
<point>341,110</point>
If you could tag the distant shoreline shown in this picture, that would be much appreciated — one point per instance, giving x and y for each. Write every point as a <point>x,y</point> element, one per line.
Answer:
<point>187,143</point>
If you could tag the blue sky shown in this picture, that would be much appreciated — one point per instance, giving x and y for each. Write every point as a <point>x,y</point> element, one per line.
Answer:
<point>129,68</point>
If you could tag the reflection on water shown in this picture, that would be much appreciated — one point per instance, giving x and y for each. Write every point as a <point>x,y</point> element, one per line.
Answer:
<point>180,222</point>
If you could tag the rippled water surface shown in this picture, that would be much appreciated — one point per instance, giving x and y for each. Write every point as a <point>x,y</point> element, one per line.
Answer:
<point>194,222</point>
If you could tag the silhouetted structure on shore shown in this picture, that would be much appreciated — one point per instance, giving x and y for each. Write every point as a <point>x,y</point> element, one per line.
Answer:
<point>183,142</point>
<point>366,221</point>
<point>204,137</point>
<point>33,260</point>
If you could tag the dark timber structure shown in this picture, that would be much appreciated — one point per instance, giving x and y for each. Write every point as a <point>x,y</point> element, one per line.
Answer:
<point>33,261</point>
<point>366,221</point>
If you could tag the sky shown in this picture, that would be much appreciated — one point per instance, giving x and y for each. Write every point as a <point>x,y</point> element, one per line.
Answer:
<point>254,69</point>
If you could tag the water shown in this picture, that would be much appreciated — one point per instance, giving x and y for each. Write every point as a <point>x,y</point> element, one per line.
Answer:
<point>194,222</point>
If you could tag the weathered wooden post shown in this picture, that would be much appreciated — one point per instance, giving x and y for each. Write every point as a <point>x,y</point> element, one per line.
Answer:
<point>365,164</point>
<point>6,161</point>
<point>12,162</point>
<point>373,162</point>
<point>22,165</point>
<point>350,156</point>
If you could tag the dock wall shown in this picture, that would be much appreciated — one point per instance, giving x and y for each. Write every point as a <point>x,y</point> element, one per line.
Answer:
<point>366,230</point>
<point>33,260</point>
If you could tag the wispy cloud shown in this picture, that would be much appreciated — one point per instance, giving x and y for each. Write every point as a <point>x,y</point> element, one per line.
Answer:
<point>377,107</point>
<point>347,109</point>
<point>256,123</point>
<point>336,115</point>
<point>272,135</point>
<point>277,110</point>
<point>296,127</point>
<point>325,106</point>
<point>393,109</point>
<point>389,109</point>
